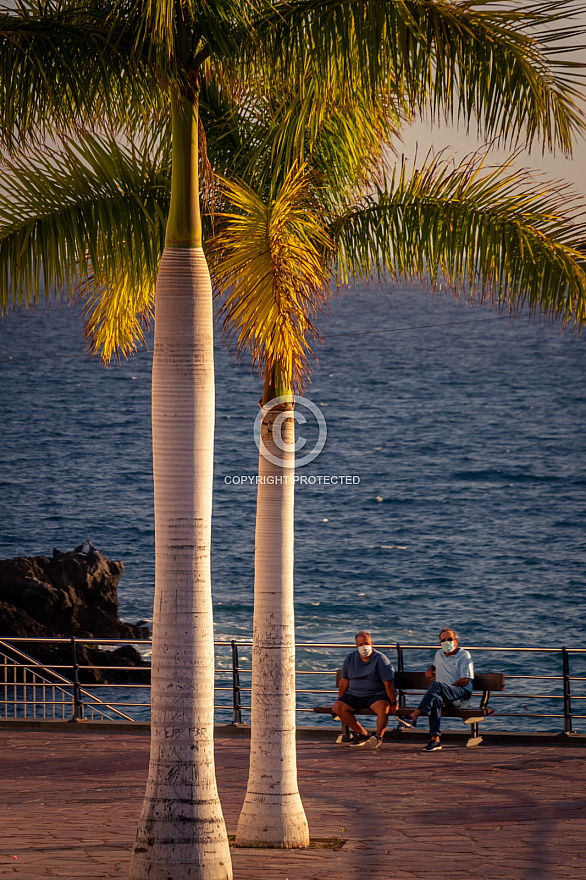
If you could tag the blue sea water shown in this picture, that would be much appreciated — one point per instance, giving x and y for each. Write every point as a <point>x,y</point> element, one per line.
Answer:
<point>467,434</point>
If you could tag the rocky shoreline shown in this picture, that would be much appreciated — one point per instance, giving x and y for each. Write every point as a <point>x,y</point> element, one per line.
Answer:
<point>71,593</point>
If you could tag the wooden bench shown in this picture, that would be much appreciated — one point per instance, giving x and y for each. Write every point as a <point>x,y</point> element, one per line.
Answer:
<point>408,682</point>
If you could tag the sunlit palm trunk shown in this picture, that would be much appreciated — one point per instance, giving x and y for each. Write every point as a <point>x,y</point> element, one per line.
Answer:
<point>273,814</point>
<point>181,832</point>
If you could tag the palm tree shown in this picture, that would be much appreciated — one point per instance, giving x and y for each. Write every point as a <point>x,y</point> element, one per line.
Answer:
<point>65,67</point>
<point>271,262</point>
<point>181,831</point>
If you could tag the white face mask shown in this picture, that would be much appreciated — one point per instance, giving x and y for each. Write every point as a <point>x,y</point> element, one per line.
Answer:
<point>448,647</point>
<point>365,650</point>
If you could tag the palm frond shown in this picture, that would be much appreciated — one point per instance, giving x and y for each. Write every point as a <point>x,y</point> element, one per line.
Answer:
<point>499,235</point>
<point>86,220</point>
<point>342,137</point>
<point>271,263</point>
<point>72,64</point>
<point>192,30</point>
<point>500,68</point>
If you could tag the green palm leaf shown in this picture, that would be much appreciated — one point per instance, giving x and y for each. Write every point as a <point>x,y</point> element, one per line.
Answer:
<point>86,220</point>
<point>341,135</point>
<point>212,28</point>
<point>499,67</point>
<point>502,236</point>
<point>63,65</point>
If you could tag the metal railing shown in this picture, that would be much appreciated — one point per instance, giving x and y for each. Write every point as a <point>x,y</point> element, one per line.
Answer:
<point>30,689</point>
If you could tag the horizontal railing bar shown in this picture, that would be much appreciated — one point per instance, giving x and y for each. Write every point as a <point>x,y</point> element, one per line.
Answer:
<point>112,707</point>
<point>494,694</point>
<point>331,672</point>
<point>43,703</point>
<point>81,639</point>
<point>528,715</point>
<point>540,677</point>
<point>111,668</point>
<point>147,668</point>
<point>494,715</point>
<point>104,684</point>
<point>501,696</point>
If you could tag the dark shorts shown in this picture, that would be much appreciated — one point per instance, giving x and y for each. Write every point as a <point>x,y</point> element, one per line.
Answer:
<point>361,703</point>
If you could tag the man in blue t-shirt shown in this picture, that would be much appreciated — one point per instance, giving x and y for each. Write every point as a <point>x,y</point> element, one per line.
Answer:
<point>451,674</point>
<point>366,682</point>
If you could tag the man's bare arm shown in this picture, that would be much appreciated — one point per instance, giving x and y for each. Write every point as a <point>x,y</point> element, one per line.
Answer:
<point>343,686</point>
<point>392,695</point>
<point>462,682</point>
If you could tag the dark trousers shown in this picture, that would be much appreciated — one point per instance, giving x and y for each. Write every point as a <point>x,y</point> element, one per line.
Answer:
<point>433,700</point>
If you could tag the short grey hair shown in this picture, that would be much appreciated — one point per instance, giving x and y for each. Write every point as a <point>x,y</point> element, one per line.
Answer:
<point>449,629</point>
<point>362,633</point>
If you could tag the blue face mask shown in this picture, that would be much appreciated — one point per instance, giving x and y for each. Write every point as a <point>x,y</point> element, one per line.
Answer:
<point>448,647</point>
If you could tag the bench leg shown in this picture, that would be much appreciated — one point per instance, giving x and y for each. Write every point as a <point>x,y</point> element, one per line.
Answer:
<point>475,738</point>
<point>346,736</point>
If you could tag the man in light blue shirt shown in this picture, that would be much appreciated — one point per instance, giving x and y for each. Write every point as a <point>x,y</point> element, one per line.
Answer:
<point>366,682</point>
<point>451,674</point>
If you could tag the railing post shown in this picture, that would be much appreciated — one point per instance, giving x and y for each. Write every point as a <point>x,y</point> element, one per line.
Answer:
<point>400,668</point>
<point>77,703</point>
<point>567,693</point>
<point>236,706</point>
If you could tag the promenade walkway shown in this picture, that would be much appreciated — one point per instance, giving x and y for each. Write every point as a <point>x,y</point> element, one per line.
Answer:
<point>69,804</point>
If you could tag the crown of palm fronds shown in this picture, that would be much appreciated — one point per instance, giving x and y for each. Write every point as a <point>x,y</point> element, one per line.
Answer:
<point>341,135</point>
<point>271,262</point>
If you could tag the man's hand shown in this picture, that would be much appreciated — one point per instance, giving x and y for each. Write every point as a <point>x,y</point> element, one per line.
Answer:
<point>430,673</point>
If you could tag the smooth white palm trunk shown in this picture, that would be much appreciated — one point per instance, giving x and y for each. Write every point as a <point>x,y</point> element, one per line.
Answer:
<point>181,833</point>
<point>273,814</point>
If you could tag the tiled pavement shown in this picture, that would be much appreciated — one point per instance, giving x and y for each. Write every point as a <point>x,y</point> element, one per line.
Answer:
<point>69,803</point>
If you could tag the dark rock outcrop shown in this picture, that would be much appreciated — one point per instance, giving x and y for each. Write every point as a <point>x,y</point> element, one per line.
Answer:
<point>68,594</point>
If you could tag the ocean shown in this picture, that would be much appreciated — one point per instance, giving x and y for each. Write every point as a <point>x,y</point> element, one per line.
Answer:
<point>463,431</point>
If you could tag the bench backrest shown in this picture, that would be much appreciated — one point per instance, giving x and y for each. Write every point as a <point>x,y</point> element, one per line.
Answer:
<point>483,681</point>
<point>416,681</point>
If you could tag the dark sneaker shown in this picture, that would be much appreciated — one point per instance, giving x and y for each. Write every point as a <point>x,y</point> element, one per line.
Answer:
<point>362,740</point>
<point>433,746</point>
<point>358,737</point>
<point>408,722</point>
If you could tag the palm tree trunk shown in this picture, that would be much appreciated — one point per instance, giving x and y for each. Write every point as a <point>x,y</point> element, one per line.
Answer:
<point>181,831</point>
<point>273,814</point>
